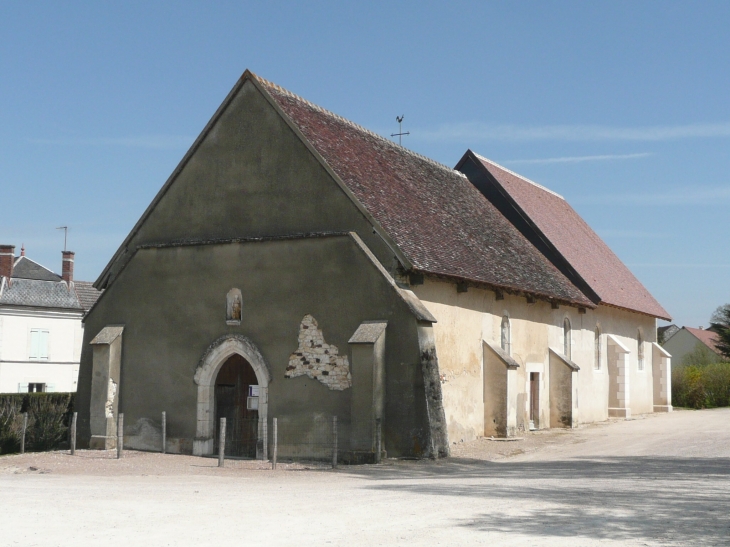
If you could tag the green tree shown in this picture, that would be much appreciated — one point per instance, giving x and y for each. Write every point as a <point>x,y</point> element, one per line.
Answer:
<point>720,323</point>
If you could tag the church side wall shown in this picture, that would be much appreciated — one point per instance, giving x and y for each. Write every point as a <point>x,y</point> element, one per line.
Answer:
<point>465,319</point>
<point>172,303</point>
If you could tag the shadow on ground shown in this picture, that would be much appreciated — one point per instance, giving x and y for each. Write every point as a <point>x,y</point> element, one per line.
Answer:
<point>683,501</point>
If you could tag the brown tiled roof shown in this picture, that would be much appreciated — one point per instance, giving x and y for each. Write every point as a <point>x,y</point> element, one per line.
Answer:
<point>588,255</point>
<point>86,293</point>
<point>434,215</point>
<point>707,337</point>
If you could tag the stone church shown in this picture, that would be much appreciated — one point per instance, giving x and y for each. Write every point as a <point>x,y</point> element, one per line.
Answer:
<point>322,270</point>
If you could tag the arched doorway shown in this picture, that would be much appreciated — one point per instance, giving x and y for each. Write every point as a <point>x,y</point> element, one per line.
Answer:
<point>205,378</point>
<point>236,400</point>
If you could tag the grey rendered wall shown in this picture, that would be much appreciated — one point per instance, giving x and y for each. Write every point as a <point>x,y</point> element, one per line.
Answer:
<point>172,302</point>
<point>252,176</point>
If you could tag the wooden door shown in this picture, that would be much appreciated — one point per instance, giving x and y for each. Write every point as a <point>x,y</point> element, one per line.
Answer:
<point>534,400</point>
<point>231,397</point>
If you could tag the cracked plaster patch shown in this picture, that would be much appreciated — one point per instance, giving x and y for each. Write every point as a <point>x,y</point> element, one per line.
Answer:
<point>317,359</point>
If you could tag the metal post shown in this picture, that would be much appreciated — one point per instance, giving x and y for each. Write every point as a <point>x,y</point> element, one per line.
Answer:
<point>275,447</point>
<point>222,443</point>
<point>164,431</point>
<point>73,433</point>
<point>25,427</point>
<point>334,443</point>
<point>378,440</point>
<point>120,435</point>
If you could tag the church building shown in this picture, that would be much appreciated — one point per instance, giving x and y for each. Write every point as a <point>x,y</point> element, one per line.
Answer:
<point>315,269</point>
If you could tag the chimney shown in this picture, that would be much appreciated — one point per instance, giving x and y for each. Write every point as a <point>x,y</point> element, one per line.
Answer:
<point>67,267</point>
<point>7,259</point>
<point>22,249</point>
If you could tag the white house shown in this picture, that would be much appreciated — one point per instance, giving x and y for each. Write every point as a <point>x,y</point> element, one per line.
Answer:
<point>40,323</point>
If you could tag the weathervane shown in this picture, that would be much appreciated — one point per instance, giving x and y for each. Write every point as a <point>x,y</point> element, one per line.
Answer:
<point>65,233</point>
<point>400,133</point>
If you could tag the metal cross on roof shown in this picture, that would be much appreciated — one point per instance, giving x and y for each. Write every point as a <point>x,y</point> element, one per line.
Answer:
<point>400,133</point>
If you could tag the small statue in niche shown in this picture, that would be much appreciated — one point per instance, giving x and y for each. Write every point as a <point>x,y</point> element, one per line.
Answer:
<point>234,303</point>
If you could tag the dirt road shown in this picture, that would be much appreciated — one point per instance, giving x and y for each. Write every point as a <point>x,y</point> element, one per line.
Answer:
<point>658,480</point>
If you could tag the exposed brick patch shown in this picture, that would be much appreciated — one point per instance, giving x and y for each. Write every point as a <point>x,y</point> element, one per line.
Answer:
<point>317,359</point>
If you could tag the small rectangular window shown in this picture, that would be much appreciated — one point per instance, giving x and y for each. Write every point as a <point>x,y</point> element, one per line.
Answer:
<point>39,344</point>
<point>36,388</point>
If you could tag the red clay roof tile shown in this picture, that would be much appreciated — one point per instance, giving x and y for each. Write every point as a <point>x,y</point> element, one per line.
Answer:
<point>436,217</point>
<point>584,250</point>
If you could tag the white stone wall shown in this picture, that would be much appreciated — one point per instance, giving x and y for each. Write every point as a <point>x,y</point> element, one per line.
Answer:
<point>317,359</point>
<point>465,319</point>
<point>60,370</point>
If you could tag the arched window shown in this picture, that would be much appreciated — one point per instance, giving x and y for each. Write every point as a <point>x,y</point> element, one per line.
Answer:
<point>597,349</point>
<point>640,349</point>
<point>506,341</point>
<point>566,338</point>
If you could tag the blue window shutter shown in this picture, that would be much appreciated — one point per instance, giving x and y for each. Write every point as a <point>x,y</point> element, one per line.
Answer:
<point>34,339</point>
<point>43,344</point>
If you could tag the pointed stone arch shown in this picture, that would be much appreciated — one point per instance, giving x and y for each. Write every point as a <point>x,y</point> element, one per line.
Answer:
<point>210,363</point>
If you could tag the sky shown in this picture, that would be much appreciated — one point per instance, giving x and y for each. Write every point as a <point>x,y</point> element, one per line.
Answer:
<point>621,107</point>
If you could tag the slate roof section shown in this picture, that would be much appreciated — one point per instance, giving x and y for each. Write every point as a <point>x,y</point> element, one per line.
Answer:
<point>576,242</point>
<point>36,286</point>
<point>707,337</point>
<point>39,294</point>
<point>434,215</point>
<point>25,268</point>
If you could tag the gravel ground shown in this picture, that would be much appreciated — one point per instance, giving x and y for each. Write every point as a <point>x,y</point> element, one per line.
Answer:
<point>654,480</point>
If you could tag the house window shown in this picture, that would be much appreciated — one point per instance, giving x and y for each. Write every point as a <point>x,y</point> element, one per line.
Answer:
<point>640,349</point>
<point>566,338</point>
<point>597,349</point>
<point>38,345</point>
<point>506,341</point>
<point>36,388</point>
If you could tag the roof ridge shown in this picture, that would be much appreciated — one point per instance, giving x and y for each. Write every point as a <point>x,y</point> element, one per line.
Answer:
<point>354,125</point>
<point>519,176</point>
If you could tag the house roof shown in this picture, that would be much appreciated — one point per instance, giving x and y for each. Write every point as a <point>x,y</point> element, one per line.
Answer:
<point>36,286</point>
<point>433,214</point>
<point>707,337</point>
<point>86,294</point>
<point>585,252</point>
<point>25,268</point>
<point>39,294</point>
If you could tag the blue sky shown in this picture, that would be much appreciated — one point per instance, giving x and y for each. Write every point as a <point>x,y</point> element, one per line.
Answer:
<point>622,107</point>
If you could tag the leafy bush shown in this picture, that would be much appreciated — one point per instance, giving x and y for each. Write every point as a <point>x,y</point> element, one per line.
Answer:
<point>701,386</point>
<point>49,416</point>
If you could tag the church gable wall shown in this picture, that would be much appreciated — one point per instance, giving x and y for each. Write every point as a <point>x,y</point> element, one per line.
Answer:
<point>251,176</point>
<point>467,318</point>
<point>173,303</point>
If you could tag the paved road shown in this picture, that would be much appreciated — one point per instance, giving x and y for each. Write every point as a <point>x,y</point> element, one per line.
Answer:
<point>661,480</point>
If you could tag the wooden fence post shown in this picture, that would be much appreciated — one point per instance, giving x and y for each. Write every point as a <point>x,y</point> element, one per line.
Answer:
<point>378,440</point>
<point>222,443</point>
<point>25,427</point>
<point>164,431</point>
<point>120,435</point>
<point>275,447</point>
<point>73,433</point>
<point>334,443</point>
